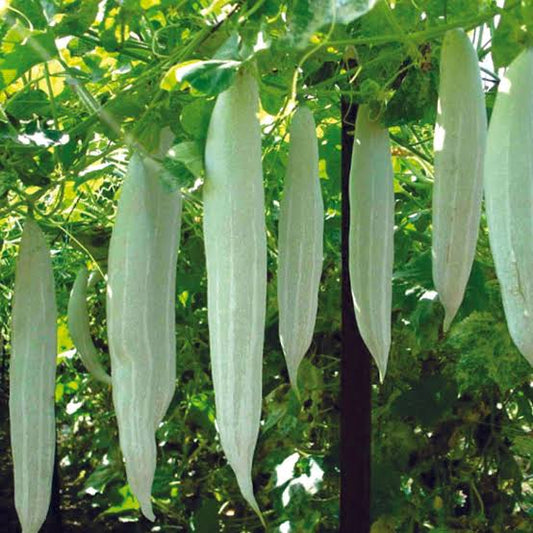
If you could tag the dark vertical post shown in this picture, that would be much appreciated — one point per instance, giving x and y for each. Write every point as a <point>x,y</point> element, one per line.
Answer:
<point>355,374</point>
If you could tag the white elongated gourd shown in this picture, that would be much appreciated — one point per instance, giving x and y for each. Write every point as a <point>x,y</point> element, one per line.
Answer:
<point>371,235</point>
<point>301,229</point>
<point>235,245</point>
<point>79,328</point>
<point>32,378</point>
<point>459,144</point>
<point>141,316</point>
<point>509,197</point>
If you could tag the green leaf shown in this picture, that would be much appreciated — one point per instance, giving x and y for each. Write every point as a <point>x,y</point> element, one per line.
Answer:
<point>80,20</point>
<point>129,502</point>
<point>98,480</point>
<point>205,518</point>
<point>195,118</point>
<point>26,104</point>
<point>189,153</point>
<point>229,49</point>
<point>109,41</point>
<point>209,77</point>
<point>523,446</point>
<point>33,10</point>
<point>38,47</point>
<point>513,34</point>
<point>79,48</point>
<point>487,354</point>
<point>309,376</point>
<point>309,16</point>
<point>417,270</point>
<point>415,100</point>
<point>429,400</point>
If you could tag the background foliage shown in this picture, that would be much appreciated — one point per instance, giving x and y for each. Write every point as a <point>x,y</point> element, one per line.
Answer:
<point>82,81</point>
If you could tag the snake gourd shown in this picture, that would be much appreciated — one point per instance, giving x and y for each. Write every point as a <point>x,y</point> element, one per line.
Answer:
<point>459,144</point>
<point>141,316</point>
<point>235,246</point>
<point>508,188</point>
<point>300,248</point>
<point>32,378</point>
<point>371,233</point>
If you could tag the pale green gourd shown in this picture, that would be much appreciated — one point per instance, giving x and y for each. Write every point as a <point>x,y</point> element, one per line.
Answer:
<point>371,235</point>
<point>301,229</point>
<point>459,144</point>
<point>509,197</point>
<point>79,328</point>
<point>32,378</point>
<point>235,245</point>
<point>141,316</point>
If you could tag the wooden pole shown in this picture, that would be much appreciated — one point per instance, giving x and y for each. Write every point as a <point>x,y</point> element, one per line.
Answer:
<point>356,391</point>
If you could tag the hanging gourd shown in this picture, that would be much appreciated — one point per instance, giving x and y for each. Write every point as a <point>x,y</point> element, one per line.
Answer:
<point>509,197</point>
<point>79,328</point>
<point>235,246</point>
<point>141,316</point>
<point>301,232</point>
<point>371,235</point>
<point>32,378</point>
<point>459,144</point>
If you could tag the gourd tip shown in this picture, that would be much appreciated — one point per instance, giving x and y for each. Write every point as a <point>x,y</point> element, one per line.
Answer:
<point>296,390</point>
<point>147,511</point>
<point>262,519</point>
<point>245,484</point>
<point>382,368</point>
<point>293,378</point>
<point>447,321</point>
<point>258,512</point>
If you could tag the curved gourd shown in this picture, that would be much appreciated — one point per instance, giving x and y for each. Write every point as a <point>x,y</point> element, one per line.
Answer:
<point>32,378</point>
<point>141,316</point>
<point>235,246</point>
<point>509,197</point>
<point>371,235</point>
<point>301,229</point>
<point>459,144</point>
<point>79,328</point>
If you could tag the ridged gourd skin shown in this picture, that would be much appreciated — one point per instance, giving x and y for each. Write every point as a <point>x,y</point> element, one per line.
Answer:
<point>509,197</point>
<point>459,145</point>
<point>141,316</point>
<point>79,328</point>
<point>235,246</point>
<point>300,246</point>
<point>371,235</point>
<point>32,378</point>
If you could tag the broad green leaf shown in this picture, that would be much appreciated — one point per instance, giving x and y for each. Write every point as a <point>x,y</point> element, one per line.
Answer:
<point>26,104</point>
<point>309,16</point>
<point>77,22</point>
<point>128,502</point>
<point>33,10</point>
<point>195,118</point>
<point>415,100</point>
<point>513,34</point>
<point>37,47</point>
<point>229,49</point>
<point>190,154</point>
<point>209,77</point>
